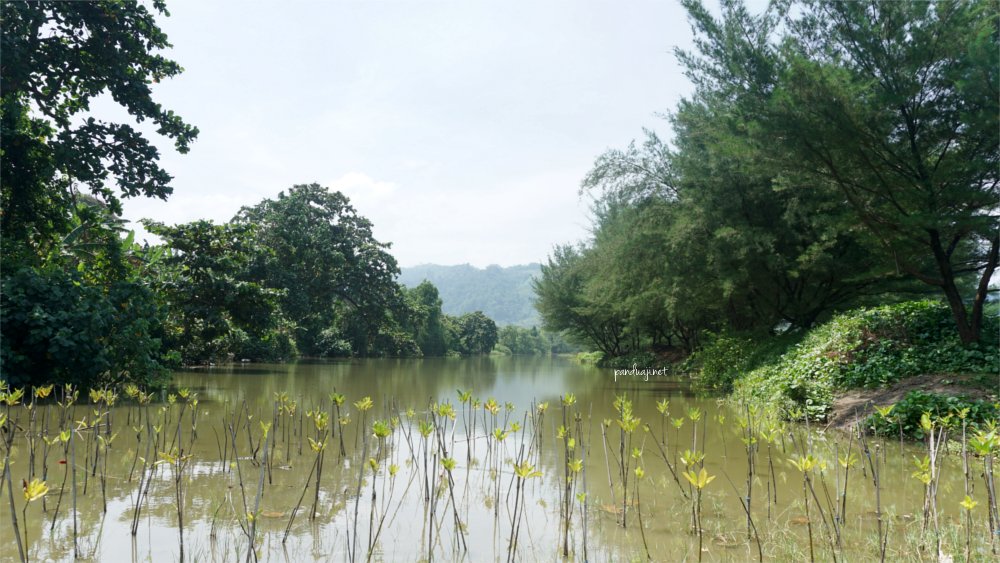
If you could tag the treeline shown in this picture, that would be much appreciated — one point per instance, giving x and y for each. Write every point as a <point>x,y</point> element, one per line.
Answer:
<point>83,303</point>
<point>299,274</point>
<point>833,154</point>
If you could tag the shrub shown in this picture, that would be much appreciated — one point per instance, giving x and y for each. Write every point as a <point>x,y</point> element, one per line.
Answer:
<point>274,345</point>
<point>725,357</point>
<point>331,344</point>
<point>56,328</point>
<point>908,411</point>
<point>395,343</point>
<point>589,357</point>
<point>501,350</point>
<point>721,359</point>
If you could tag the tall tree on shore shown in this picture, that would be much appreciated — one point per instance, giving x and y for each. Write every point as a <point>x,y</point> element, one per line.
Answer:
<point>430,330</point>
<point>203,276</point>
<point>566,306</point>
<point>473,333</point>
<point>323,253</point>
<point>57,57</point>
<point>74,306</point>
<point>896,105</point>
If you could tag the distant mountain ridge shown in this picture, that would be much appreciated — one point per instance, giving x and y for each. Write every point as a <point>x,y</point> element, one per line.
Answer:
<point>503,293</point>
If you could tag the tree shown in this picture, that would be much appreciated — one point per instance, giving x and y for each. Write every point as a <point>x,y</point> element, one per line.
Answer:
<point>429,331</point>
<point>780,245</point>
<point>783,237</point>
<point>387,328</point>
<point>75,305</point>
<point>563,303</point>
<point>213,308</point>
<point>649,265</point>
<point>898,105</point>
<point>57,56</point>
<point>894,105</point>
<point>473,333</point>
<point>323,256</point>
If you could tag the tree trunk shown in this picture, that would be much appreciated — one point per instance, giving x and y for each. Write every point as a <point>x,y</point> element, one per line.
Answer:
<point>984,285</point>
<point>969,326</point>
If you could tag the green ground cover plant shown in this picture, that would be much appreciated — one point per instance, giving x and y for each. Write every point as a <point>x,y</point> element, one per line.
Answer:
<point>868,347</point>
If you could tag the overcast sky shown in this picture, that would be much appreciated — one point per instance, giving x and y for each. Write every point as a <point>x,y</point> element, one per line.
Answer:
<point>461,129</point>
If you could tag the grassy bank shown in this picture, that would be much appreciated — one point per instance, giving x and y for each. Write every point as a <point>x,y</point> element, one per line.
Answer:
<point>865,348</point>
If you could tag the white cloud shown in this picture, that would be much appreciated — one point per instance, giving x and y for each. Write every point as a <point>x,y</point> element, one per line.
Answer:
<point>362,189</point>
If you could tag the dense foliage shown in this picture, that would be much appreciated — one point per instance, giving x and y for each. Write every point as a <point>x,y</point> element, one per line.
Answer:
<point>867,347</point>
<point>76,306</point>
<point>56,328</point>
<point>472,333</point>
<point>215,310</point>
<point>832,156</point>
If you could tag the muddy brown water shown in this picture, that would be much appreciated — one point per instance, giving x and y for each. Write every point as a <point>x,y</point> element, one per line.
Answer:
<point>404,526</point>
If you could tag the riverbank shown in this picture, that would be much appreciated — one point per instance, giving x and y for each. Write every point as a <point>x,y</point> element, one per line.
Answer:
<point>842,369</point>
<point>855,405</point>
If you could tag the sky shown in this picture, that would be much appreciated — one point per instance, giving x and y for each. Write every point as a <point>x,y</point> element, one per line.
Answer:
<point>461,129</point>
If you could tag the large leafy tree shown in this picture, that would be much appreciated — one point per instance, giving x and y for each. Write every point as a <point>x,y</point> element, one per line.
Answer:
<point>650,277</point>
<point>893,105</point>
<point>384,328</point>
<point>75,306</point>
<point>802,177</point>
<point>897,104</point>
<point>785,249</point>
<point>213,305</point>
<point>429,330</point>
<point>323,253</point>
<point>783,238</point>
<point>703,237</point>
<point>473,333</point>
<point>57,57</point>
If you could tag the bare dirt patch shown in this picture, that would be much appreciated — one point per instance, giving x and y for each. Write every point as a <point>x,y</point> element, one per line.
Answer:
<point>857,404</point>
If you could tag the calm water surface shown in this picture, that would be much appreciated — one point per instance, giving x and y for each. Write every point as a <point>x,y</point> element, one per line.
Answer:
<point>401,524</point>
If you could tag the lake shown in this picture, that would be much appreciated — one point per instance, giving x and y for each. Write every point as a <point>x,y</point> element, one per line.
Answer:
<point>456,494</point>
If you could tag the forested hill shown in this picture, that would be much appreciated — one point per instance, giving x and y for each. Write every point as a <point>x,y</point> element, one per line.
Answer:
<point>503,294</point>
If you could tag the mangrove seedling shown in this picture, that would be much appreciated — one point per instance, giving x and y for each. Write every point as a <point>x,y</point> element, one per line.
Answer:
<point>699,481</point>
